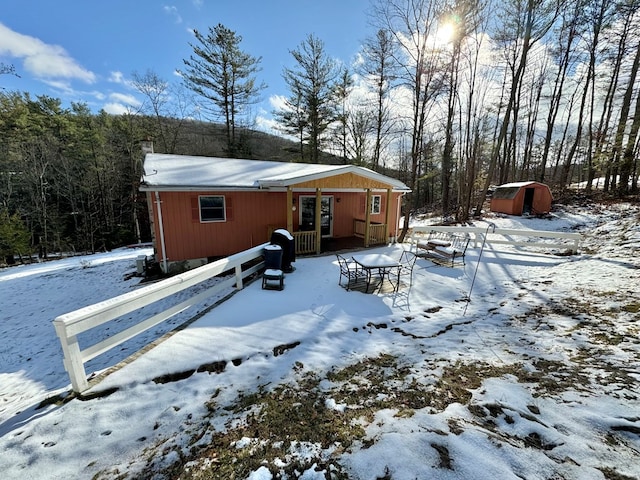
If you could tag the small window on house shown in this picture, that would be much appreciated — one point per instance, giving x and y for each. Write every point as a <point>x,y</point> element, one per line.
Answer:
<point>375,204</point>
<point>212,209</point>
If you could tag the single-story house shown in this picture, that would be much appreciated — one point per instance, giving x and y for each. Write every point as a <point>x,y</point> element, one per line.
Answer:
<point>522,198</point>
<point>202,208</point>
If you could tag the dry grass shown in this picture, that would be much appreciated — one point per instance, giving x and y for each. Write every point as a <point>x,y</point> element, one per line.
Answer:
<point>270,427</point>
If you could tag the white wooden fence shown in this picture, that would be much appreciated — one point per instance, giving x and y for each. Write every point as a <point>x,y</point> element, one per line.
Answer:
<point>70,325</point>
<point>505,236</point>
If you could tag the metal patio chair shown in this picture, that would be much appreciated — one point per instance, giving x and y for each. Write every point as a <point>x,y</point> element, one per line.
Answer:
<point>405,268</point>
<point>350,271</point>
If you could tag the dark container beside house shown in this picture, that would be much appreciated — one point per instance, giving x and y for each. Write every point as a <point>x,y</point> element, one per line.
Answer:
<point>285,240</point>
<point>273,257</point>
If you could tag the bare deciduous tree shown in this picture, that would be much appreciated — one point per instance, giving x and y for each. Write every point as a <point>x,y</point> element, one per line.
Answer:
<point>522,24</point>
<point>413,25</point>
<point>380,70</point>
<point>162,101</point>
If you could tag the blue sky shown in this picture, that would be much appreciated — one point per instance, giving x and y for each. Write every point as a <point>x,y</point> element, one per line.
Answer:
<point>86,51</point>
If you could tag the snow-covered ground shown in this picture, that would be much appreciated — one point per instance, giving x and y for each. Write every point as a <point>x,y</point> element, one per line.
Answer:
<point>521,364</point>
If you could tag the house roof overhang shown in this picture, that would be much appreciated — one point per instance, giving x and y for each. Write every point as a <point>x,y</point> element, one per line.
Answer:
<point>163,172</point>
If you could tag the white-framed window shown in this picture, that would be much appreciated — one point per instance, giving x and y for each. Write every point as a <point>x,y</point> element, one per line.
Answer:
<point>376,204</point>
<point>212,208</point>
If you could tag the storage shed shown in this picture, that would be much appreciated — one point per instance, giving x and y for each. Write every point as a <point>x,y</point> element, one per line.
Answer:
<point>522,198</point>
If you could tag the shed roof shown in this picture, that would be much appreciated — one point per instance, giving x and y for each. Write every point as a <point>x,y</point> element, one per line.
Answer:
<point>509,191</point>
<point>516,184</point>
<point>184,172</point>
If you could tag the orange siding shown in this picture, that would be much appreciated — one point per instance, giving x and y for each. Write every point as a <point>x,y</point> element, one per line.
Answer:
<point>250,214</point>
<point>352,206</point>
<point>542,200</point>
<point>504,205</point>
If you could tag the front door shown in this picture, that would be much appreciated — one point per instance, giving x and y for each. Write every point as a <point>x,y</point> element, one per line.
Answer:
<point>308,214</point>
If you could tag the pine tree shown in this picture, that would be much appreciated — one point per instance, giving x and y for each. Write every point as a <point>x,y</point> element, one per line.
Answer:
<point>312,105</point>
<point>14,237</point>
<point>221,72</point>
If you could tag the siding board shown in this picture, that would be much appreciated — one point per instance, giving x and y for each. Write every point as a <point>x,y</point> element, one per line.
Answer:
<point>249,216</point>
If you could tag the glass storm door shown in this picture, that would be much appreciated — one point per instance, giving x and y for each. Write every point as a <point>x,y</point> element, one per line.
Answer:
<point>308,215</point>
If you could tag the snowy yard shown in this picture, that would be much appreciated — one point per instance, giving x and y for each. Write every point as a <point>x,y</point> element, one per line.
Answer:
<point>531,373</point>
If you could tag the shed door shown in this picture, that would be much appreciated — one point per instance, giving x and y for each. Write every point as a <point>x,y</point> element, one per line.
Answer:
<point>527,206</point>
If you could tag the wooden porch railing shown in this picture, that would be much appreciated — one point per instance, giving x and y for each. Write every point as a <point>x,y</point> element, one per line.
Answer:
<point>376,231</point>
<point>305,242</point>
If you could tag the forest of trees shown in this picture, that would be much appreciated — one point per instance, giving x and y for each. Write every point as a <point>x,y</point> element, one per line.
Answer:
<point>450,96</point>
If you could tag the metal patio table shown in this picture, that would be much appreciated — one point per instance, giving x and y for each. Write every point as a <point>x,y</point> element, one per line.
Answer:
<point>376,261</point>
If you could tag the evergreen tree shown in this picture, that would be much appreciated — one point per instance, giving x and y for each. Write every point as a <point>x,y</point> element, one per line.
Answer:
<point>221,72</point>
<point>313,86</point>
<point>14,236</point>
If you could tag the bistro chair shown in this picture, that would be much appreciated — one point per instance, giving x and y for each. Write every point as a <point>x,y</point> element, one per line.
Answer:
<point>405,267</point>
<point>350,271</point>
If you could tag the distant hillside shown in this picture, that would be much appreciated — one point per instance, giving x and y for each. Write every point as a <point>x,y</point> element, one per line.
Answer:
<point>208,139</point>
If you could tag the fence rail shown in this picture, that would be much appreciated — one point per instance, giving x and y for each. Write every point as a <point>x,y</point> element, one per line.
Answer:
<point>505,236</point>
<point>70,325</point>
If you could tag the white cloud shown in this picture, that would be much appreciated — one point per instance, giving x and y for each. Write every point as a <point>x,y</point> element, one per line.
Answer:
<point>60,85</point>
<point>116,108</point>
<point>121,103</point>
<point>268,125</point>
<point>119,78</point>
<point>172,11</point>
<point>278,102</point>
<point>124,98</point>
<point>40,59</point>
<point>116,77</point>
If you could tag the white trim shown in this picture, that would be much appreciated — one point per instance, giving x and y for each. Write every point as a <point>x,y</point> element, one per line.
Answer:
<point>373,204</point>
<point>161,228</point>
<point>210,188</point>
<point>218,188</point>
<point>224,208</point>
<point>339,170</point>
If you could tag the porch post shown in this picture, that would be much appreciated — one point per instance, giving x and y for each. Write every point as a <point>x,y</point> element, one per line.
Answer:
<point>318,219</point>
<point>387,216</point>
<point>367,221</point>
<point>289,210</point>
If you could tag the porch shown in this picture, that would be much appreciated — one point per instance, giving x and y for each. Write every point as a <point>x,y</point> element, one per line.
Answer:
<point>306,242</point>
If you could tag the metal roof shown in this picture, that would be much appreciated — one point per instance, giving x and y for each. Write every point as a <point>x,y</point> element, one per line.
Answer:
<point>184,172</point>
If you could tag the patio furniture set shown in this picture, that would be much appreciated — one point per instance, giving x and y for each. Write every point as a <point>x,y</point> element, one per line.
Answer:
<point>375,267</point>
<point>369,270</point>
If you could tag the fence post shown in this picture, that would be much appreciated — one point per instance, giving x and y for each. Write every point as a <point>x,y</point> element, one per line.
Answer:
<point>72,357</point>
<point>239,277</point>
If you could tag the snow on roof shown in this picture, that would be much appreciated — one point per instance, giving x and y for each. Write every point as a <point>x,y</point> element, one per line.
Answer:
<point>179,172</point>
<point>516,184</point>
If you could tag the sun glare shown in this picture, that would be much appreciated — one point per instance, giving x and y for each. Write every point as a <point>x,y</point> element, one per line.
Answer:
<point>446,31</point>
